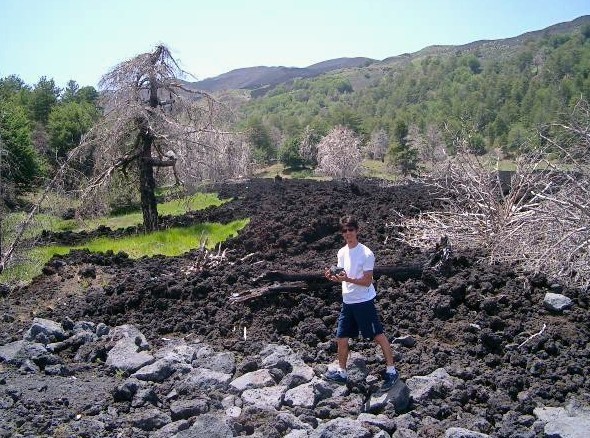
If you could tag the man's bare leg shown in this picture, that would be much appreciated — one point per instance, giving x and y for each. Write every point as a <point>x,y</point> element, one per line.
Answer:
<point>383,342</point>
<point>343,349</point>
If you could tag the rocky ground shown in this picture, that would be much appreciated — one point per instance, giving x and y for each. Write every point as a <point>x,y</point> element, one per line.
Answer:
<point>102,345</point>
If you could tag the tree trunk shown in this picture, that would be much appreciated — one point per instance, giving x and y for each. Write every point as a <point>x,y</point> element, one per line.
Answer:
<point>147,185</point>
<point>400,273</point>
<point>309,281</point>
<point>147,182</point>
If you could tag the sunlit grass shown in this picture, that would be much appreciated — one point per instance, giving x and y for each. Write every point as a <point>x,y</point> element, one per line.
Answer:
<point>377,169</point>
<point>171,242</point>
<point>198,201</point>
<point>43,221</point>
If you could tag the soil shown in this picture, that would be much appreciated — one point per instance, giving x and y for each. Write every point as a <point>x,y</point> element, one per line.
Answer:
<point>476,320</point>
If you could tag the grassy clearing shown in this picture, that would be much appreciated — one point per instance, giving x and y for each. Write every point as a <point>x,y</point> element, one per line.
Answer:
<point>377,169</point>
<point>269,171</point>
<point>168,242</point>
<point>44,221</point>
<point>198,201</point>
<point>171,242</point>
<point>371,169</point>
<point>279,169</point>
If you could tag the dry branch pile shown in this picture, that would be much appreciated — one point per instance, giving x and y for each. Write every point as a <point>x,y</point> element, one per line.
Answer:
<point>537,217</point>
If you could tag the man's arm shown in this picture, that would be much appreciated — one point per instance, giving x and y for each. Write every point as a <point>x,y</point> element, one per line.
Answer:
<point>365,280</point>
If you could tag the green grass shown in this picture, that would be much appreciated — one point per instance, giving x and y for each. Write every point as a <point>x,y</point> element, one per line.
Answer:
<point>171,242</point>
<point>45,221</point>
<point>42,221</point>
<point>198,201</point>
<point>273,170</point>
<point>377,169</point>
<point>269,171</point>
<point>506,165</point>
<point>371,168</point>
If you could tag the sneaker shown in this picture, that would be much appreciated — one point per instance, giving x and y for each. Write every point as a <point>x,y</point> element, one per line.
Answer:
<point>389,380</point>
<point>335,376</point>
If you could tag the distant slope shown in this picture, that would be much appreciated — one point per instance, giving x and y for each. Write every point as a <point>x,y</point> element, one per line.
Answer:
<point>264,78</point>
<point>252,78</point>
<point>487,48</point>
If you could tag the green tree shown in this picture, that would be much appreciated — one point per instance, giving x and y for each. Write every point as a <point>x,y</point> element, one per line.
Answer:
<point>401,154</point>
<point>400,132</point>
<point>43,98</point>
<point>477,144</point>
<point>518,138</point>
<point>67,123</point>
<point>344,116</point>
<point>87,94</point>
<point>403,158</point>
<point>260,139</point>
<point>10,86</point>
<point>289,153</point>
<point>73,93</point>
<point>70,92</point>
<point>24,164</point>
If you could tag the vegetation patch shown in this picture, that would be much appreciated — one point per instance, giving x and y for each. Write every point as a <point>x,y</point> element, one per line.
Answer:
<point>198,201</point>
<point>45,221</point>
<point>171,242</point>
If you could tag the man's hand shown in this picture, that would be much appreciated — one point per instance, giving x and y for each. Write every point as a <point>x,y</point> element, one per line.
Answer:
<point>339,278</point>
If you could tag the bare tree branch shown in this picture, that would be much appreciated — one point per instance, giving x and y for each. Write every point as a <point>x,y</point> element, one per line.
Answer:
<point>153,119</point>
<point>339,154</point>
<point>537,217</point>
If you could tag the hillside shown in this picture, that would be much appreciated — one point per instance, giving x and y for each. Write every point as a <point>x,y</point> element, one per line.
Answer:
<point>267,77</point>
<point>497,94</point>
<point>261,77</point>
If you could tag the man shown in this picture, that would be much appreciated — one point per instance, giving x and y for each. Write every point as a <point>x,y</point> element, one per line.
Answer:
<point>358,312</point>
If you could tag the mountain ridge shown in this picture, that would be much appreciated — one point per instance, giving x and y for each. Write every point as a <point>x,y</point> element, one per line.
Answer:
<point>260,79</point>
<point>263,76</point>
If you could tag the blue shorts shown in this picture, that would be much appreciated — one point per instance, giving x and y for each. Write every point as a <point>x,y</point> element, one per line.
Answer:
<point>359,317</point>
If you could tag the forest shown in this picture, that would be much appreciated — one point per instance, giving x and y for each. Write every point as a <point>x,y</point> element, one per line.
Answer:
<point>499,99</point>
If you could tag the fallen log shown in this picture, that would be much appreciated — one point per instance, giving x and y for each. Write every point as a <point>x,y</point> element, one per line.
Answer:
<point>306,281</point>
<point>400,273</point>
<point>250,294</point>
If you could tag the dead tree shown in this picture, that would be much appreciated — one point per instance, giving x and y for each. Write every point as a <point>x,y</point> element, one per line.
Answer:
<point>151,117</point>
<point>539,221</point>
<point>339,154</point>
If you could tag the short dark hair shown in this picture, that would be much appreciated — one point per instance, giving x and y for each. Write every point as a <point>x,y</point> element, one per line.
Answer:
<point>349,222</point>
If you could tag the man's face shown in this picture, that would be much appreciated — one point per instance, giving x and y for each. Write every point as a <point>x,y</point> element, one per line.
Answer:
<point>349,233</point>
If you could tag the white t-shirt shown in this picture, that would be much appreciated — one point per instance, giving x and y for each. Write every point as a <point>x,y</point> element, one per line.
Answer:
<point>355,262</point>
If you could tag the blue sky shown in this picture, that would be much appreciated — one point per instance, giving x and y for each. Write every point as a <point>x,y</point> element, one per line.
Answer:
<point>83,39</point>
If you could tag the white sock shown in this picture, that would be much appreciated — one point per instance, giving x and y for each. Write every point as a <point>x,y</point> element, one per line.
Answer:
<point>342,372</point>
<point>391,369</point>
